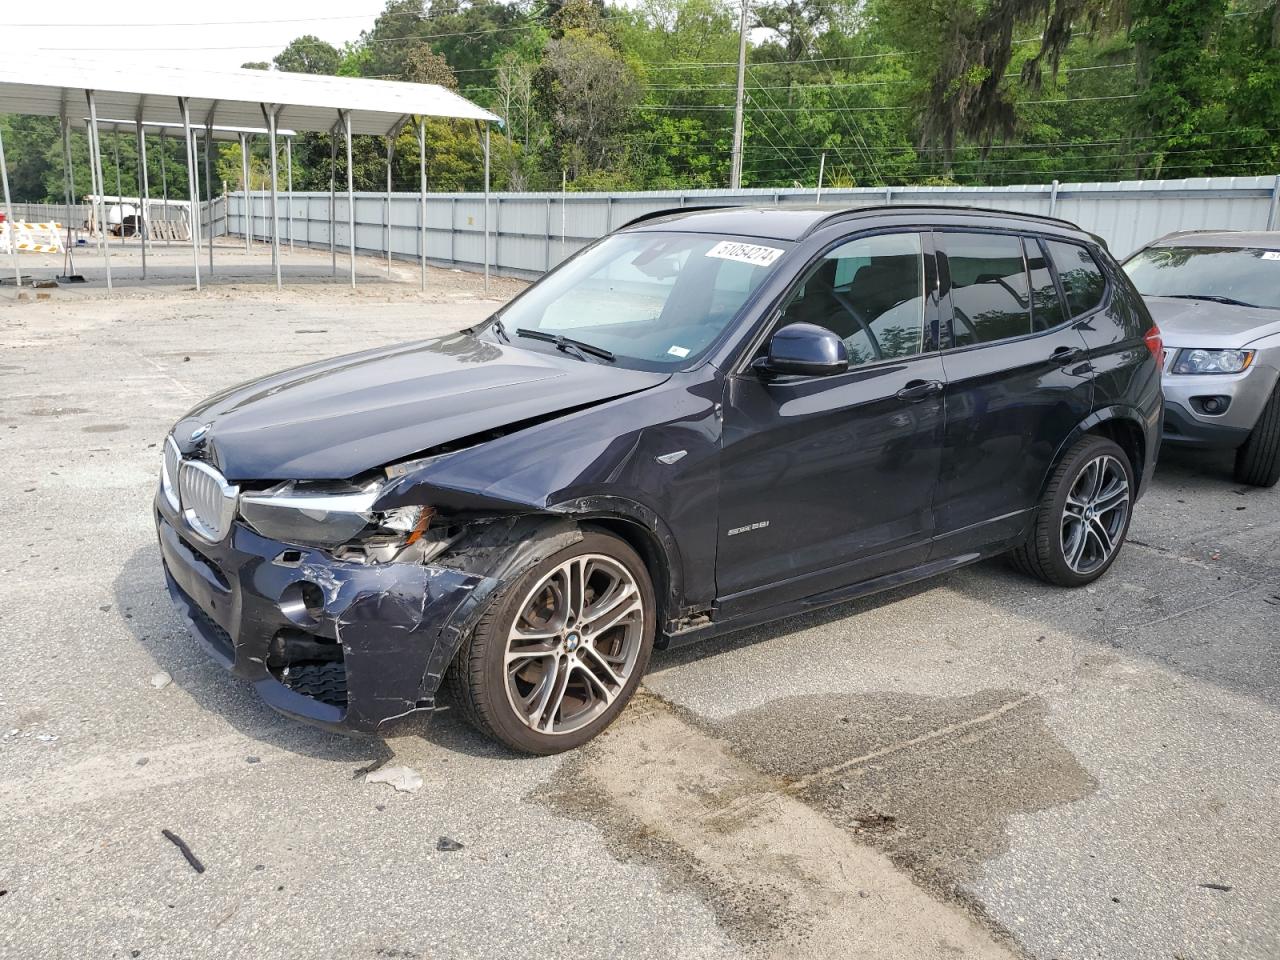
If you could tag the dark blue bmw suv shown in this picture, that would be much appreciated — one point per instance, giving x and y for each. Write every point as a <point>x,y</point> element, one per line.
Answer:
<point>708,419</point>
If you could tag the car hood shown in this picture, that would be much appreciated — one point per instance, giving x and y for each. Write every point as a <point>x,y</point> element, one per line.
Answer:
<point>1203,323</point>
<point>342,417</point>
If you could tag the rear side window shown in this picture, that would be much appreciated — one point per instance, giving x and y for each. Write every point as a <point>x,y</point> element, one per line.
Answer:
<point>990,294</point>
<point>1082,279</point>
<point>1046,304</point>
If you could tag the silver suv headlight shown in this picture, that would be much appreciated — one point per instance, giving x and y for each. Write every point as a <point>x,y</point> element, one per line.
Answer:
<point>1212,361</point>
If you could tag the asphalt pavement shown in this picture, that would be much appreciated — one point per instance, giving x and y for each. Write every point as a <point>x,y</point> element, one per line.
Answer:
<point>978,766</point>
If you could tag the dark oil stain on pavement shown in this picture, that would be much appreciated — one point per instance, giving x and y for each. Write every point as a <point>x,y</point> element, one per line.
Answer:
<point>940,778</point>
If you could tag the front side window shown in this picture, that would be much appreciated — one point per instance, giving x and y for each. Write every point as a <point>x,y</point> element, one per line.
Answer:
<point>1082,278</point>
<point>1246,276</point>
<point>870,293</point>
<point>990,295</point>
<point>653,300</point>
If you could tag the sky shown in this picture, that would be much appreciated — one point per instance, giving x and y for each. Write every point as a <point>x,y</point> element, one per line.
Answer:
<point>212,36</point>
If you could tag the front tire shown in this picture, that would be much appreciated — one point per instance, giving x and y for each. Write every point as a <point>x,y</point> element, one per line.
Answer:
<point>556,657</point>
<point>1258,460</point>
<point>1083,517</point>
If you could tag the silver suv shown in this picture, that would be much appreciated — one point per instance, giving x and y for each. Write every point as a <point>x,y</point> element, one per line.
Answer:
<point>1216,298</point>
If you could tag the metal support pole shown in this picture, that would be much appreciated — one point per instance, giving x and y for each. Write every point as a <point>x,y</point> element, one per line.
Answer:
<point>486,208</point>
<point>115,150</point>
<point>164,181</point>
<point>333,198</point>
<point>288,162</point>
<point>143,229</point>
<point>1053,198</point>
<point>247,217</point>
<point>564,206</point>
<point>95,167</point>
<point>270,113</point>
<point>351,196</point>
<point>1273,215</point>
<point>735,172</point>
<point>822,168</point>
<point>146,190</point>
<point>8,216</point>
<point>422,203</point>
<point>208,181</point>
<point>193,187</point>
<point>391,153</point>
<point>69,182</point>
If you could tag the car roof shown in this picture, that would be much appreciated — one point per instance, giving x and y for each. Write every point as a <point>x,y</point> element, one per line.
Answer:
<point>795,223</point>
<point>1264,239</point>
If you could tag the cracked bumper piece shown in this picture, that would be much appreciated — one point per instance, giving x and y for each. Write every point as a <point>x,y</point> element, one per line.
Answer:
<point>345,646</point>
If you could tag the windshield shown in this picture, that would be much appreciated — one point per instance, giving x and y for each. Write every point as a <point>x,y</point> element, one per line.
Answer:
<point>653,300</point>
<point>1242,274</point>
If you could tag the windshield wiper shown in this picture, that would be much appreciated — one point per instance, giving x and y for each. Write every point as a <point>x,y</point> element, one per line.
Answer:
<point>1229,301</point>
<point>499,329</point>
<point>567,344</point>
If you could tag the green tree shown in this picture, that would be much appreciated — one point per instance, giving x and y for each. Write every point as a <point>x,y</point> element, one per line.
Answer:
<point>309,54</point>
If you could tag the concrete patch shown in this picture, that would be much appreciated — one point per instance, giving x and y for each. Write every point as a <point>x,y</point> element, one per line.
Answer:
<point>783,879</point>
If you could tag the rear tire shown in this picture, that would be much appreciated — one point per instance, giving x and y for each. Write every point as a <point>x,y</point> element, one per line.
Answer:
<point>1083,517</point>
<point>1258,460</point>
<point>584,618</point>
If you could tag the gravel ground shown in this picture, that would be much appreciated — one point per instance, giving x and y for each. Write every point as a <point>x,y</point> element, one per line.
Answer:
<point>978,766</point>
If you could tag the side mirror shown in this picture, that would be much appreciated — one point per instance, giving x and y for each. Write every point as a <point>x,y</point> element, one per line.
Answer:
<point>804,349</point>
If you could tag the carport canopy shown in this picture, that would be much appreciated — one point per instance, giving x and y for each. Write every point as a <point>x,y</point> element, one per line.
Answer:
<point>51,85</point>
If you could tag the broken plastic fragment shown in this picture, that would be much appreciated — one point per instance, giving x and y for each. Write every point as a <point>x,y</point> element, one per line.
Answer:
<point>404,779</point>
<point>161,680</point>
<point>448,845</point>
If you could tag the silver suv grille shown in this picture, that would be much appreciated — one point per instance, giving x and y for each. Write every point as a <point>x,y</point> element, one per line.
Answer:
<point>208,501</point>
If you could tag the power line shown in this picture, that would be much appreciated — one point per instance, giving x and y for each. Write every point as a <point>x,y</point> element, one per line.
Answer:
<point>205,23</point>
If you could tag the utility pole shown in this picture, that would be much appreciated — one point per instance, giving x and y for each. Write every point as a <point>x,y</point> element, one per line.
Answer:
<point>735,176</point>
<point>822,167</point>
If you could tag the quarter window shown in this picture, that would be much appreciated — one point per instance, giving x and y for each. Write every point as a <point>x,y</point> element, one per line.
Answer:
<point>990,295</point>
<point>870,293</point>
<point>1046,304</point>
<point>1082,278</point>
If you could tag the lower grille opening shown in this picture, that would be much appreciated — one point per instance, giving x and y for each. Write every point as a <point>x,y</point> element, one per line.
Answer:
<point>310,665</point>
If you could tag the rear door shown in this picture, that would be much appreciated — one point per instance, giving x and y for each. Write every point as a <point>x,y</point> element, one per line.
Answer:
<point>1018,382</point>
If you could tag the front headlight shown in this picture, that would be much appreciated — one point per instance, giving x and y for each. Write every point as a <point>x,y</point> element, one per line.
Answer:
<point>325,515</point>
<point>1212,361</point>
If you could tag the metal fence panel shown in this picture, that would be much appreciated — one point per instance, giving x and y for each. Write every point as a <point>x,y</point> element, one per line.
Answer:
<point>532,232</point>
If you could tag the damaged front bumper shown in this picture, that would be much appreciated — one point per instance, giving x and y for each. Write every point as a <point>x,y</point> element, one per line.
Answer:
<point>346,646</point>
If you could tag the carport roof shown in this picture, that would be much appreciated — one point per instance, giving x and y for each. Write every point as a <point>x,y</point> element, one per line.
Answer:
<point>47,84</point>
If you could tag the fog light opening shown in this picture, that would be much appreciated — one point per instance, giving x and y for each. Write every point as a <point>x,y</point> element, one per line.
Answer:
<point>1211,406</point>
<point>302,602</point>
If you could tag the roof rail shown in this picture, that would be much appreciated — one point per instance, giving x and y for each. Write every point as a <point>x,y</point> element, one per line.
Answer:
<point>668,211</point>
<point>850,212</point>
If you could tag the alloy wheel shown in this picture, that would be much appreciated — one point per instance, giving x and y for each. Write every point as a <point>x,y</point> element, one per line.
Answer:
<point>574,644</point>
<point>1095,514</point>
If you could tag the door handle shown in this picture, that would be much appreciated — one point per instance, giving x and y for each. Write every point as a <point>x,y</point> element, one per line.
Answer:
<point>918,390</point>
<point>1066,355</point>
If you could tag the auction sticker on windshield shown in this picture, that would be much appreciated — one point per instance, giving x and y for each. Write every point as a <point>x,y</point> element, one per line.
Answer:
<point>744,253</point>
